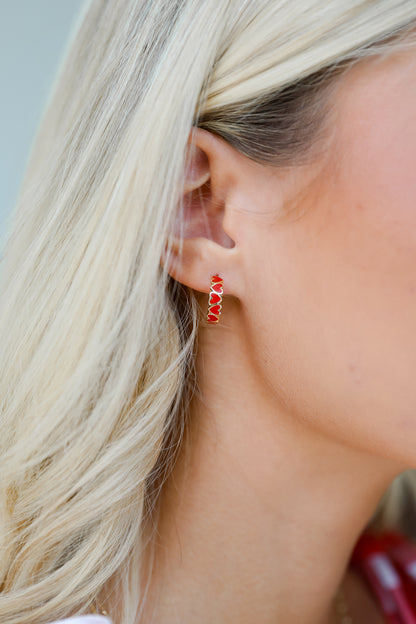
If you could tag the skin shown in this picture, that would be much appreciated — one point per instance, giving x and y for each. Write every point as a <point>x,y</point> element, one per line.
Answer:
<point>307,403</point>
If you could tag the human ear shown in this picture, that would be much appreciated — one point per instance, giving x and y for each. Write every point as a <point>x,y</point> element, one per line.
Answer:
<point>202,243</point>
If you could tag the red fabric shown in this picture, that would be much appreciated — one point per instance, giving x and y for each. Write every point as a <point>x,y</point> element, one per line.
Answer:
<point>387,563</point>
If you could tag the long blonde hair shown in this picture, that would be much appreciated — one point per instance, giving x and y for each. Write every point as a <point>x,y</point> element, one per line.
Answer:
<point>97,342</point>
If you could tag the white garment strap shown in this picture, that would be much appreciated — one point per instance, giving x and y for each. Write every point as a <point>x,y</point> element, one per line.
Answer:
<point>84,619</point>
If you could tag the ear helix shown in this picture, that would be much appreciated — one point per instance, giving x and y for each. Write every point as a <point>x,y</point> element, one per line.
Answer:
<point>215,299</point>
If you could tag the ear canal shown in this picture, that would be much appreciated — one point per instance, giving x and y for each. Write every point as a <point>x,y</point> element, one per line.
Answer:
<point>197,168</point>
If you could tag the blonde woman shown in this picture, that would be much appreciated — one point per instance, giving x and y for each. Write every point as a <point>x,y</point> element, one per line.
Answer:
<point>208,320</point>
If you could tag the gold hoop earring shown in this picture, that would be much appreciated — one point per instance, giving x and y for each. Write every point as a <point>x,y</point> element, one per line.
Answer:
<point>215,299</point>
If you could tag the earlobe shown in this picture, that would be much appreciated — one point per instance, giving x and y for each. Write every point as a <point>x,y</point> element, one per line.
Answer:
<point>193,261</point>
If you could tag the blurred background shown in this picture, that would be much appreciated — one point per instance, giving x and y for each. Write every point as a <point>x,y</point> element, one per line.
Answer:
<point>33,34</point>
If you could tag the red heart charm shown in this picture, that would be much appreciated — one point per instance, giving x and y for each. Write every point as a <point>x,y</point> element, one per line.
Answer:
<point>216,278</point>
<point>217,288</point>
<point>215,309</point>
<point>212,319</point>
<point>214,298</point>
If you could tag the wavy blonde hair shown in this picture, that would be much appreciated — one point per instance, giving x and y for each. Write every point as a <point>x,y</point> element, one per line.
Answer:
<point>97,342</point>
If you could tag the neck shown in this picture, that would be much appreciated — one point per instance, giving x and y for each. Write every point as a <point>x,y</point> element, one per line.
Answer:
<point>261,512</point>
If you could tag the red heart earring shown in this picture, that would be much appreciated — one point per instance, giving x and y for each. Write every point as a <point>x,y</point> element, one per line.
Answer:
<point>215,298</point>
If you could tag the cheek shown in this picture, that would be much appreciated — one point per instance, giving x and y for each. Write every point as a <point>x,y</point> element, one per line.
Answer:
<point>334,328</point>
